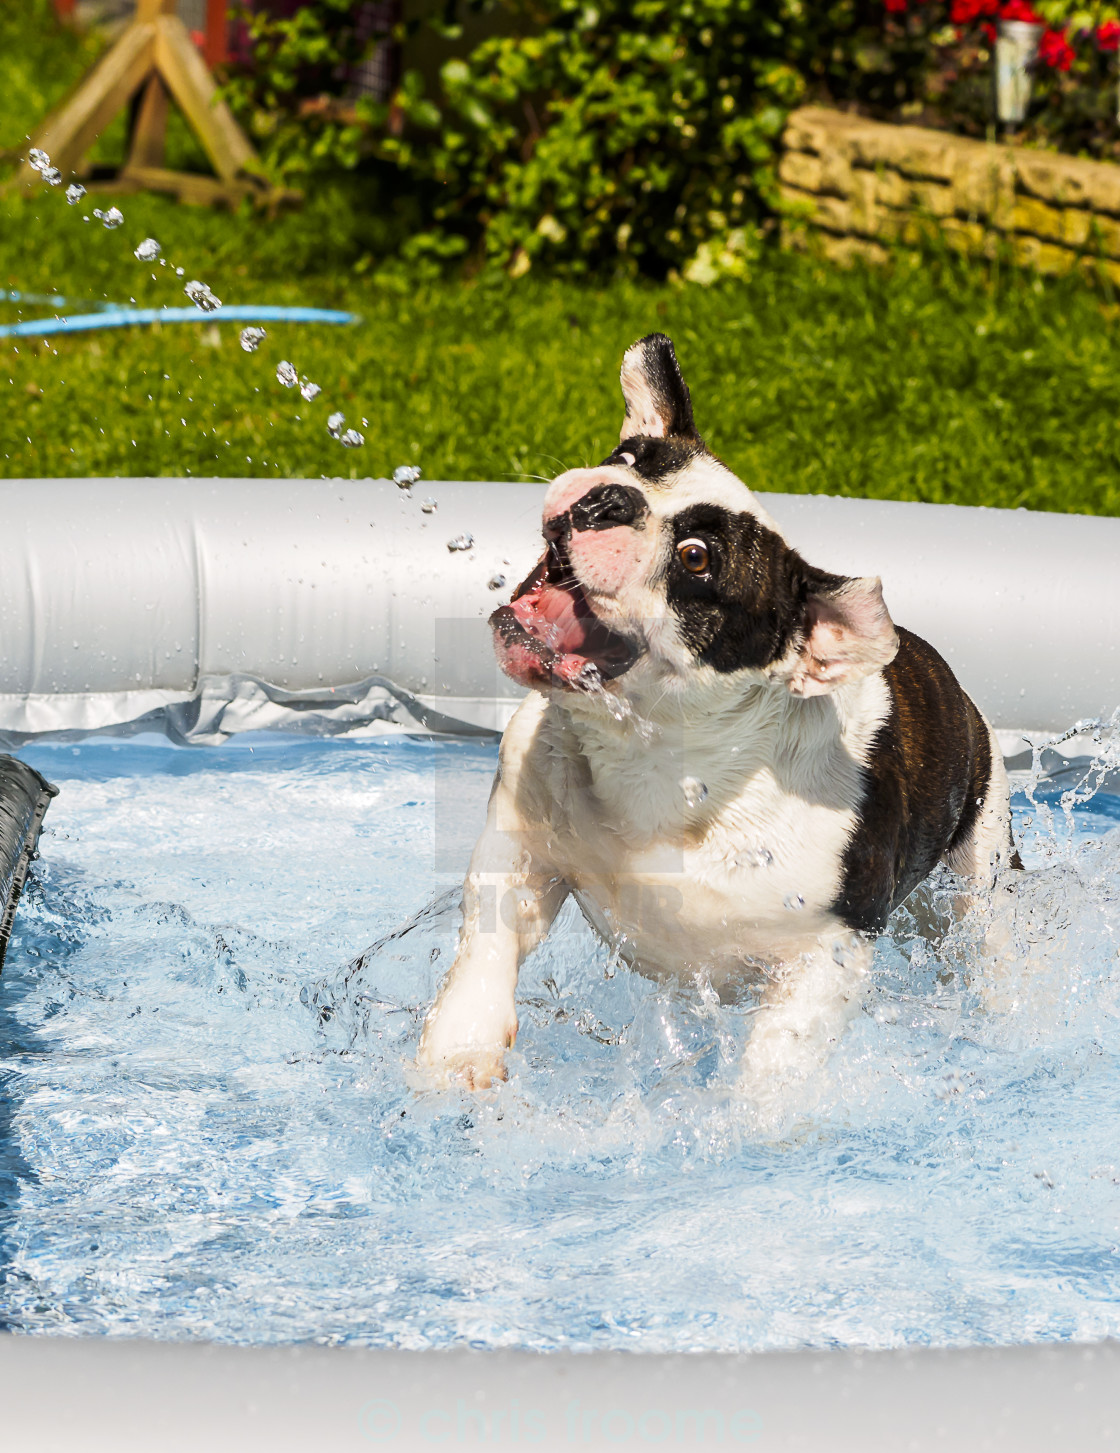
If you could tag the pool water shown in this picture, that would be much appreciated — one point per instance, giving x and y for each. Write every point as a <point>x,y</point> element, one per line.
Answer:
<point>208,1131</point>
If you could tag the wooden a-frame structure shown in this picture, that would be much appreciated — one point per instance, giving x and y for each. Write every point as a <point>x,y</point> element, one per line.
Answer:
<point>153,63</point>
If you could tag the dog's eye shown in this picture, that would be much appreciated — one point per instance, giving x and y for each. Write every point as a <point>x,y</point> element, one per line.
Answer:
<point>694,555</point>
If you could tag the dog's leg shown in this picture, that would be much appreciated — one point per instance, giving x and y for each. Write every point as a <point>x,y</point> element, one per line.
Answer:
<point>804,1010</point>
<point>508,907</point>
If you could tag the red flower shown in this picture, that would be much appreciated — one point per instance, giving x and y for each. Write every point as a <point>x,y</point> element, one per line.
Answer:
<point>1019,10</point>
<point>1108,35</point>
<point>1055,51</point>
<point>989,32</point>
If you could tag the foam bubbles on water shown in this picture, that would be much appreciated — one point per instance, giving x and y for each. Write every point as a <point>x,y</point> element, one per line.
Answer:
<point>286,374</point>
<point>148,250</point>
<point>252,338</point>
<point>201,296</point>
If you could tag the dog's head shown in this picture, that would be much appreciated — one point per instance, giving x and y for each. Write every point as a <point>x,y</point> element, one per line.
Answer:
<point>661,567</point>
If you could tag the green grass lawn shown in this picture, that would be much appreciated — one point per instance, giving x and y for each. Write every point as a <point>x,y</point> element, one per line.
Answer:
<point>926,380</point>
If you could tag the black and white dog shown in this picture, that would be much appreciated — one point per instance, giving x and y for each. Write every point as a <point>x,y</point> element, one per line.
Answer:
<point>734,761</point>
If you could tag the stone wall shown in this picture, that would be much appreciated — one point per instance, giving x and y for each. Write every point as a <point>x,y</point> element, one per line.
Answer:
<point>857,186</point>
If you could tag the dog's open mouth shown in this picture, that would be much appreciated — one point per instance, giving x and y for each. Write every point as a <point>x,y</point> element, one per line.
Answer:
<point>548,634</point>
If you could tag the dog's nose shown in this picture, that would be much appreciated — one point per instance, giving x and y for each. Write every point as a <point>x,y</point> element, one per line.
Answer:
<point>608,505</point>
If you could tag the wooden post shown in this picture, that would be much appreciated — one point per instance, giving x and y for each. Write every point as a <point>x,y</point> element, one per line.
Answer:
<point>153,63</point>
<point>217,33</point>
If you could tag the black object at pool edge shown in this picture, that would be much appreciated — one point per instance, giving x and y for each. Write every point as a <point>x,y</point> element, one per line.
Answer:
<point>24,799</point>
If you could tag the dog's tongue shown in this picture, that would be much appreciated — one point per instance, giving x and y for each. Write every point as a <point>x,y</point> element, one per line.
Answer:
<point>555,617</point>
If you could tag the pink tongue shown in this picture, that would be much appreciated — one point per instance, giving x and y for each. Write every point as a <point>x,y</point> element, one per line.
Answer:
<point>550,615</point>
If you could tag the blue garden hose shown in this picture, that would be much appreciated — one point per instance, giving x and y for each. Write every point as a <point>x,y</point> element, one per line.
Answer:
<point>128,317</point>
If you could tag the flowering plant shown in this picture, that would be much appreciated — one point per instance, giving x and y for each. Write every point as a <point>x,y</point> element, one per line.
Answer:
<point>942,52</point>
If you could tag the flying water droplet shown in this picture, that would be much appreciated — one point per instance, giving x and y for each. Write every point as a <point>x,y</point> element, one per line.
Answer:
<point>352,439</point>
<point>178,272</point>
<point>38,160</point>
<point>114,217</point>
<point>74,193</point>
<point>310,390</point>
<point>694,791</point>
<point>461,542</point>
<point>251,339</point>
<point>148,250</point>
<point>334,423</point>
<point>793,902</point>
<point>429,507</point>
<point>201,296</point>
<point>755,858</point>
<point>52,175</point>
<point>286,374</point>
<point>496,582</point>
<point>405,476</point>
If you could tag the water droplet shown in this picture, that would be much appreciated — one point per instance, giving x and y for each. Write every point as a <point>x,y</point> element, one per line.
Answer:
<point>334,423</point>
<point>429,507</point>
<point>793,902</point>
<point>755,858</point>
<point>405,476</point>
<point>310,390</point>
<point>461,542</point>
<point>352,439</point>
<point>38,160</point>
<point>52,175</point>
<point>74,193</point>
<point>286,374</point>
<point>496,582</point>
<point>589,677</point>
<point>694,791</point>
<point>112,218</point>
<point>201,296</point>
<point>251,339</point>
<point>148,250</point>
<point>178,272</point>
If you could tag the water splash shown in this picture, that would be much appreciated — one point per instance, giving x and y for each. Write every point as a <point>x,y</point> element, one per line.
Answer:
<point>201,296</point>
<point>335,424</point>
<point>148,250</point>
<point>405,475</point>
<point>286,374</point>
<point>74,193</point>
<point>352,439</point>
<point>38,160</point>
<point>309,390</point>
<point>251,339</point>
<point>110,219</point>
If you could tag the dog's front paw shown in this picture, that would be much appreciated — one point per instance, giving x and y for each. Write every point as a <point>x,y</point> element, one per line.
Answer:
<point>470,1069</point>
<point>474,1059</point>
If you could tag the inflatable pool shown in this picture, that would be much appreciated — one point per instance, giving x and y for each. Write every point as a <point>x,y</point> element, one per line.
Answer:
<point>215,977</point>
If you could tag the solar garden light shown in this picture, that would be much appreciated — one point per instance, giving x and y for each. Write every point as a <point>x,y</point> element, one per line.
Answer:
<point>1016,50</point>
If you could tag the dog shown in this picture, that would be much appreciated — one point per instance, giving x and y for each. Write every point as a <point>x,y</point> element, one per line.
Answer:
<point>736,762</point>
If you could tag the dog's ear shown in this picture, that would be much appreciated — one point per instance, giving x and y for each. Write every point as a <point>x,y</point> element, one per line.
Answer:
<point>847,633</point>
<point>657,400</point>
